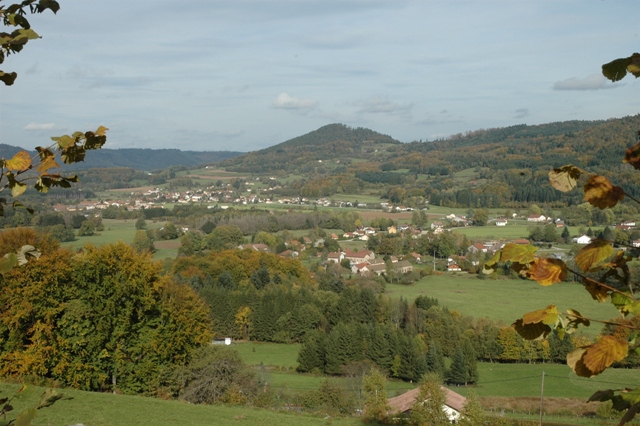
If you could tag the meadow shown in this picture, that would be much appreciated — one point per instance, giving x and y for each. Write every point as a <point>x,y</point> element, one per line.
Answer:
<point>504,299</point>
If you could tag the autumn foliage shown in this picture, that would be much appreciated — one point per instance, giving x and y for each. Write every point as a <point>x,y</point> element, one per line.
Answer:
<point>101,319</point>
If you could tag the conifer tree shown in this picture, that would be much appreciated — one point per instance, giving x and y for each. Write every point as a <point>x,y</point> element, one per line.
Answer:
<point>435,360</point>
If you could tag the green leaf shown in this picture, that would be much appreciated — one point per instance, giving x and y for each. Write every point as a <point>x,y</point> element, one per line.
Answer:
<point>17,188</point>
<point>8,262</point>
<point>518,253</point>
<point>632,396</point>
<point>64,141</point>
<point>25,418</point>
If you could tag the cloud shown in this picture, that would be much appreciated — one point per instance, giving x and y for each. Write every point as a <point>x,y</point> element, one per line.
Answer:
<point>591,82</point>
<point>284,101</point>
<point>522,113</point>
<point>382,105</point>
<point>39,126</point>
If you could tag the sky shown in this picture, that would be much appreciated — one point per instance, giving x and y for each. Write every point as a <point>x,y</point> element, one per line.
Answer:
<point>238,75</point>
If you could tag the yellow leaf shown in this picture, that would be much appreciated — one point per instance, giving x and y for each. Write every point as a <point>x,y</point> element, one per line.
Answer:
<point>593,253</point>
<point>519,253</point>
<point>548,315</point>
<point>565,178</point>
<point>547,271</point>
<point>46,164</point>
<point>101,131</point>
<point>601,193</point>
<point>20,162</point>
<point>601,355</point>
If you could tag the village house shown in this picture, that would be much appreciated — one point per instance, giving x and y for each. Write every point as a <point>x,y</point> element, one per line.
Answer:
<point>335,256</point>
<point>403,266</point>
<point>501,221</point>
<point>453,405</point>
<point>583,239</point>
<point>477,248</point>
<point>359,257</point>
<point>453,267</point>
<point>536,218</point>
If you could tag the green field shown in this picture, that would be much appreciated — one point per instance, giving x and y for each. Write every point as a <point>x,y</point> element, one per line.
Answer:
<point>103,409</point>
<point>270,354</point>
<point>119,230</point>
<point>503,300</point>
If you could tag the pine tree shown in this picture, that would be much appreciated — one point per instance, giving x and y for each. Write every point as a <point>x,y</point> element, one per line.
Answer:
<point>566,235</point>
<point>457,373</point>
<point>435,360</point>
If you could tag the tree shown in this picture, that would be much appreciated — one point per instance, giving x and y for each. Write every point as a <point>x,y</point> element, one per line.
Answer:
<point>87,228</point>
<point>472,413</point>
<point>427,408</point>
<point>480,217</point>
<point>142,243</point>
<point>214,373</point>
<point>141,223</point>
<point>374,386</point>
<point>566,236</point>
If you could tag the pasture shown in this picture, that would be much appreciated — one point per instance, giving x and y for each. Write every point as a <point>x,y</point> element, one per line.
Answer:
<point>505,299</point>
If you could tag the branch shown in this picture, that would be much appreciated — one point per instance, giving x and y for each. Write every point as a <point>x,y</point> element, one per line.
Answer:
<point>608,287</point>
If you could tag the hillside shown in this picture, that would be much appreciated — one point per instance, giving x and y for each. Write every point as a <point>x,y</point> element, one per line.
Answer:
<point>505,166</point>
<point>138,159</point>
<point>336,142</point>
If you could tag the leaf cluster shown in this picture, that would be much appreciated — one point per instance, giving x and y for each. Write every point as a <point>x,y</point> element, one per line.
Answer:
<point>604,273</point>
<point>13,42</point>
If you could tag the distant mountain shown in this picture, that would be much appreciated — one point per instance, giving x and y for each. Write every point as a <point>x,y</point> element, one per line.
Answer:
<point>139,159</point>
<point>331,142</point>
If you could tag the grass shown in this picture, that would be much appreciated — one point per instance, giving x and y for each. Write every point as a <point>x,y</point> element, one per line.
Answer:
<point>503,300</point>
<point>103,409</point>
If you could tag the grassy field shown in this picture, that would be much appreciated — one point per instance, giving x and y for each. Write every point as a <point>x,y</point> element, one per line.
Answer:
<point>124,230</point>
<point>503,300</point>
<point>103,409</point>
<point>270,354</point>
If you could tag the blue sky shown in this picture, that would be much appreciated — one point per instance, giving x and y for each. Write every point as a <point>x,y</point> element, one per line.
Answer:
<point>244,75</point>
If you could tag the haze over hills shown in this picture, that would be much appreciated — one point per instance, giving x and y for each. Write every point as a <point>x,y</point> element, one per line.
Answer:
<point>138,159</point>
